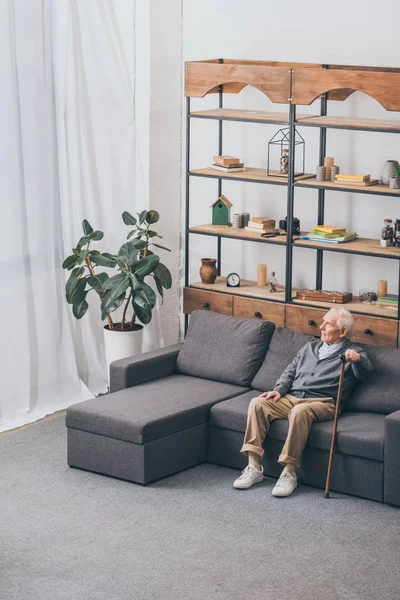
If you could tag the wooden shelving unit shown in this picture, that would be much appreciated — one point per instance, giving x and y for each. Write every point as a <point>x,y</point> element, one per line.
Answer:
<point>294,85</point>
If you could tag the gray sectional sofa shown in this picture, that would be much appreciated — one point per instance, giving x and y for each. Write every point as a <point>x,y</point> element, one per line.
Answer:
<point>174,408</point>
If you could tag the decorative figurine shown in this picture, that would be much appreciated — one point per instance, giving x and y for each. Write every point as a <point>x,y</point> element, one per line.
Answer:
<point>221,211</point>
<point>273,283</point>
<point>387,233</point>
<point>284,161</point>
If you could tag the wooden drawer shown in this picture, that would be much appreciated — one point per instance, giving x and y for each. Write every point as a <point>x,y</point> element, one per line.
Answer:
<point>259,309</point>
<point>373,330</point>
<point>304,319</point>
<point>367,330</point>
<point>204,300</point>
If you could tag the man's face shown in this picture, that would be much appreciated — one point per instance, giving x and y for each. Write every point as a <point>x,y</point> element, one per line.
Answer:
<point>330,332</point>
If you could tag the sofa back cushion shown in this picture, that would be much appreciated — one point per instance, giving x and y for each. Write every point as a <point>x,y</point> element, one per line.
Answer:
<point>283,347</point>
<point>223,348</point>
<point>380,392</point>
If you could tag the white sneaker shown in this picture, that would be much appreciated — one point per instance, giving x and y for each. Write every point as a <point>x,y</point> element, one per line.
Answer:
<point>249,476</point>
<point>285,485</point>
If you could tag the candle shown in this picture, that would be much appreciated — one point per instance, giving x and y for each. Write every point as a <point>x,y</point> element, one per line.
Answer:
<point>262,275</point>
<point>329,161</point>
<point>382,288</point>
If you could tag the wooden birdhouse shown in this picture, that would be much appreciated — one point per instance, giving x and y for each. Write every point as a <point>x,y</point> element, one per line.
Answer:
<point>221,211</point>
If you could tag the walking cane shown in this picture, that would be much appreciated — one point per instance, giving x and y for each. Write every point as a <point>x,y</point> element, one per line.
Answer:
<point>339,397</point>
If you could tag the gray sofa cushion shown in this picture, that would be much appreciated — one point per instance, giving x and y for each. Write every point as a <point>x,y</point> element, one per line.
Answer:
<point>224,348</point>
<point>358,434</point>
<point>152,410</point>
<point>283,347</point>
<point>380,393</point>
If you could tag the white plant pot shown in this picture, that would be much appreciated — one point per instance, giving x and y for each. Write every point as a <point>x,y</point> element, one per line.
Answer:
<point>121,344</point>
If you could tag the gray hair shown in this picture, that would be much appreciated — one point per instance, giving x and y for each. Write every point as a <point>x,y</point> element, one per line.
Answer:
<point>344,318</point>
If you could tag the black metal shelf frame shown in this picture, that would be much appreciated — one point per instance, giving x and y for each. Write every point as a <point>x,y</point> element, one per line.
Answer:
<point>291,184</point>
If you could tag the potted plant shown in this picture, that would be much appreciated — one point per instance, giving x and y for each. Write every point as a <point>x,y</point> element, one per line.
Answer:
<point>127,288</point>
<point>394,182</point>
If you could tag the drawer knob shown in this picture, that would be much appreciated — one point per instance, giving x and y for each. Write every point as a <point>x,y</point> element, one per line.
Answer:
<point>368,332</point>
<point>258,315</point>
<point>206,305</point>
<point>312,323</point>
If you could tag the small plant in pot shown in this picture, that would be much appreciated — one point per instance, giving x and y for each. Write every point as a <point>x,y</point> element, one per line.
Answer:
<point>128,289</point>
<point>394,182</point>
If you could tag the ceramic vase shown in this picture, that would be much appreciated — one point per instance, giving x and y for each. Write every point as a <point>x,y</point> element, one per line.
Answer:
<point>208,270</point>
<point>388,171</point>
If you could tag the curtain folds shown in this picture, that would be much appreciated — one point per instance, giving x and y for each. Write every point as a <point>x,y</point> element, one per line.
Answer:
<point>68,152</point>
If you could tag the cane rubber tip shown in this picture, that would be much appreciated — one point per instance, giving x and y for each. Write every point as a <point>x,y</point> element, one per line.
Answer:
<point>326,495</point>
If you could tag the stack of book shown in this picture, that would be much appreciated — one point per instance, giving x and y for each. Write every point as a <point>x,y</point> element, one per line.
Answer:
<point>260,224</point>
<point>389,301</point>
<point>227,164</point>
<point>350,179</point>
<point>330,234</point>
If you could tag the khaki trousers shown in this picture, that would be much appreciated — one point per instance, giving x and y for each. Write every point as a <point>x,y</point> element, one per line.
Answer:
<point>301,413</point>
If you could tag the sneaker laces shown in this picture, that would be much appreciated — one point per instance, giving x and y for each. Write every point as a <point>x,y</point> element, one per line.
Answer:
<point>246,471</point>
<point>282,478</point>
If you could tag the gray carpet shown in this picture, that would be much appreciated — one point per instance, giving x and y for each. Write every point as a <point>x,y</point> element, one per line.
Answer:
<point>72,535</point>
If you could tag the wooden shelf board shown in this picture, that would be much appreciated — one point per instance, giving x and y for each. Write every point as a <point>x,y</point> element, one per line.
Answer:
<point>247,288</point>
<point>250,173</point>
<point>330,185</point>
<point>358,246</point>
<point>350,123</point>
<point>354,306</point>
<point>245,115</point>
<point>238,233</point>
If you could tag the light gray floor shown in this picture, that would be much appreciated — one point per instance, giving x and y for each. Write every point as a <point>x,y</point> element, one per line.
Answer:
<point>72,535</point>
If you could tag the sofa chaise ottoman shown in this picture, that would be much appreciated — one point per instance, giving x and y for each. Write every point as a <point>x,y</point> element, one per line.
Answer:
<point>155,420</point>
<point>179,406</point>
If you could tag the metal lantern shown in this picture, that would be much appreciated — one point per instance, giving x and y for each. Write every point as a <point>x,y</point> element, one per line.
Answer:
<point>280,142</point>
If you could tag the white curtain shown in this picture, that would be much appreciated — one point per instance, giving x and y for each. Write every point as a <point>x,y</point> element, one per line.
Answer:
<point>68,152</point>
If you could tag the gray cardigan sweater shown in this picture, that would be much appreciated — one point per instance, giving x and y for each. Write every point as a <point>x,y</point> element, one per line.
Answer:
<point>308,376</point>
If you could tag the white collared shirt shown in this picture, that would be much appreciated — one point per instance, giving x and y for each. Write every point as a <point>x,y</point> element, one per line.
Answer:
<point>327,349</point>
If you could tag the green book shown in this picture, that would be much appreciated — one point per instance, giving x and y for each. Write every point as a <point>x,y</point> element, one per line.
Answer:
<point>321,234</point>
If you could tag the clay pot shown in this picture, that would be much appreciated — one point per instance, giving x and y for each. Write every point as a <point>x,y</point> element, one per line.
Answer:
<point>208,270</point>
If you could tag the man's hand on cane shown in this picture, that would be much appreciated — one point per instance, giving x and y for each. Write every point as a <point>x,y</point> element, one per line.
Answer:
<point>351,356</point>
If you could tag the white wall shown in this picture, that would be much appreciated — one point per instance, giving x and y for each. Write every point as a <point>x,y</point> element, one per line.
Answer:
<point>340,32</point>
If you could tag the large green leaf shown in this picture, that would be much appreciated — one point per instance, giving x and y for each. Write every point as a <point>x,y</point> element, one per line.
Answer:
<point>146,265</point>
<point>159,287</point>
<point>142,217</point>
<point>97,282</point>
<point>151,233</point>
<point>82,242</point>
<point>84,254</point>
<point>128,219</point>
<point>73,282</point>
<point>145,298</point>
<point>70,262</point>
<point>152,217</point>
<point>96,235</point>
<point>135,282</point>
<point>128,252</point>
<point>159,246</point>
<point>109,308</point>
<point>144,314</point>
<point>87,228</point>
<point>80,307</point>
<point>114,293</point>
<point>115,280</point>
<point>78,292</point>
<point>103,260</point>
<point>163,275</point>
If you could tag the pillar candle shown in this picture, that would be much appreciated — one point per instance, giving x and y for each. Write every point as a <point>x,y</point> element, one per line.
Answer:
<point>329,161</point>
<point>262,275</point>
<point>382,288</point>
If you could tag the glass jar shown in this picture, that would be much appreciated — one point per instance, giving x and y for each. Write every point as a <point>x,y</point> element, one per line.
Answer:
<point>396,237</point>
<point>387,233</point>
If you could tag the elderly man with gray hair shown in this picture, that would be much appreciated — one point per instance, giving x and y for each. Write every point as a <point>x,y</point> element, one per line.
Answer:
<point>305,393</point>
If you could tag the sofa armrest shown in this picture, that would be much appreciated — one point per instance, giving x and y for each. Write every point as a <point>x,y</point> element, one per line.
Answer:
<point>392,459</point>
<point>134,370</point>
